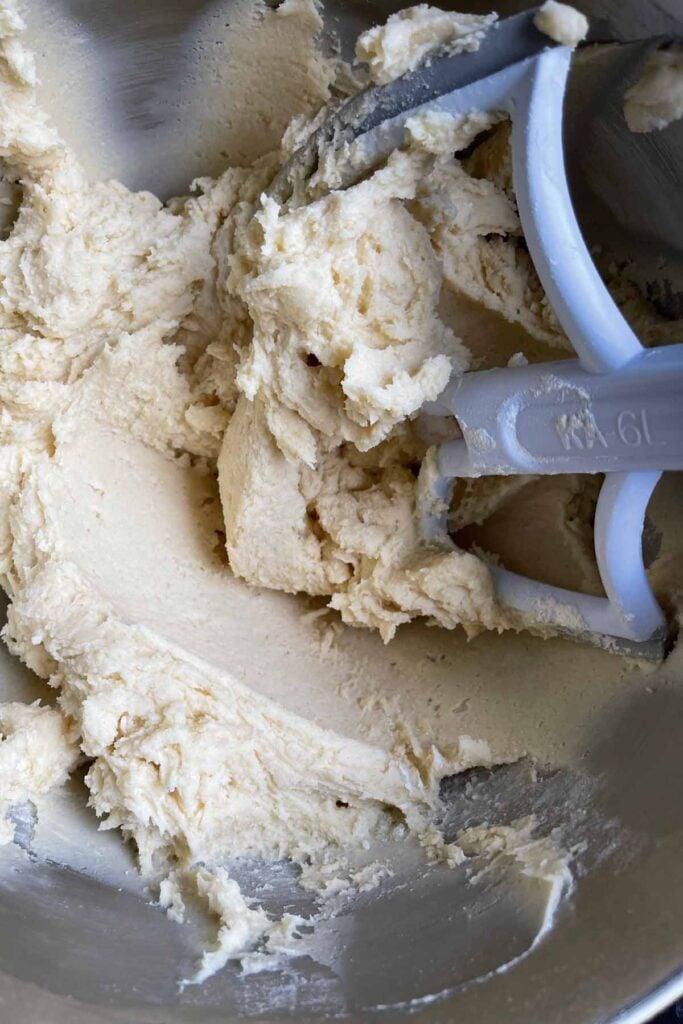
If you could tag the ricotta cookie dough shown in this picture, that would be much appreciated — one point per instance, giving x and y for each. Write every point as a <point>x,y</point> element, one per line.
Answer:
<point>562,23</point>
<point>38,749</point>
<point>411,35</point>
<point>208,460</point>
<point>656,99</point>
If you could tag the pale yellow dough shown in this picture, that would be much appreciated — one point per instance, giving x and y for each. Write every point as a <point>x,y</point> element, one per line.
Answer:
<point>180,380</point>
<point>345,296</point>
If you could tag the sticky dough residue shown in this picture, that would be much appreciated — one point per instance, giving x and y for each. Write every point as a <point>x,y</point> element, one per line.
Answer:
<point>145,349</point>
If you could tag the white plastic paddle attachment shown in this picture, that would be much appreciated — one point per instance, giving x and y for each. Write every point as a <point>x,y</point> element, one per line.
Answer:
<point>617,409</point>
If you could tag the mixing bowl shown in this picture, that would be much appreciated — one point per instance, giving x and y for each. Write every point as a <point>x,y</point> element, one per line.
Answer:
<point>79,941</point>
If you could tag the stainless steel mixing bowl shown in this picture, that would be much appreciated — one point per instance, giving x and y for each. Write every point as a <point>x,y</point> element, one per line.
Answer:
<point>78,947</point>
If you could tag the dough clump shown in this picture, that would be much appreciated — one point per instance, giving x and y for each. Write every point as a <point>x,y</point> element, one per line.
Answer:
<point>411,35</point>
<point>562,23</point>
<point>656,100</point>
<point>38,749</point>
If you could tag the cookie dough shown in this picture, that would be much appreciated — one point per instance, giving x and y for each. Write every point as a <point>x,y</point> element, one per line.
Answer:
<point>208,464</point>
<point>562,23</point>
<point>411,35</point>
<point>38,749</point>
<point>656,99</point>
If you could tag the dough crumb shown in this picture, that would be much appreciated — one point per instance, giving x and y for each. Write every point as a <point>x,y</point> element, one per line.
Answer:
<point>562,23</point>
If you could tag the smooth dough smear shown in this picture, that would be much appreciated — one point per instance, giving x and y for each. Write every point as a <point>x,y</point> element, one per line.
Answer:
<point>208,465</point>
